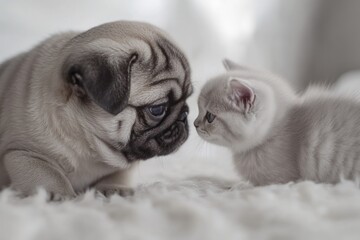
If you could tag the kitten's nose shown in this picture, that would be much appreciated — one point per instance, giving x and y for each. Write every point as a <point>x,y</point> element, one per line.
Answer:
<point>196,123</point>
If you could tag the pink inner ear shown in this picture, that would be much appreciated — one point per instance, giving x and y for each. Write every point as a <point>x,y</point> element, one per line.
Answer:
<point>241,95</point>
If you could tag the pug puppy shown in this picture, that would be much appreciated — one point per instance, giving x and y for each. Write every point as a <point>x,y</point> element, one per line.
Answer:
<point>80,109</point>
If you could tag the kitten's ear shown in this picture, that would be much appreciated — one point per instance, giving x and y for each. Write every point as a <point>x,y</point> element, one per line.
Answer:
<point>231,65</point>
<point>240,95</point>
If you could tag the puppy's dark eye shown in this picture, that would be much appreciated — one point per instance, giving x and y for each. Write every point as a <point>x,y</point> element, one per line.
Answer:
<point>157,110</point>
<point>210,117</point>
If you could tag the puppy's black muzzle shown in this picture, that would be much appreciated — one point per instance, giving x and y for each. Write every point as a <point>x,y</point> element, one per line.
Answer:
<point>166,142</point>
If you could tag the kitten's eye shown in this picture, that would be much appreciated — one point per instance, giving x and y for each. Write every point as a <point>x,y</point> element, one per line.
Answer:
<point>157,111</point>
<point>210,117</point>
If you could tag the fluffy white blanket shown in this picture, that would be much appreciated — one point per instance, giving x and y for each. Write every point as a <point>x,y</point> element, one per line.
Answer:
<point>189,199</point>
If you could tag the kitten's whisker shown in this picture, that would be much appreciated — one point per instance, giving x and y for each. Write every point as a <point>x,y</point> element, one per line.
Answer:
<point>206,150</point>
<point>198,146</point>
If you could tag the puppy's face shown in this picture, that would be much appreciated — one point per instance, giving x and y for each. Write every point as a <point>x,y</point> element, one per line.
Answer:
<point>131,84</point>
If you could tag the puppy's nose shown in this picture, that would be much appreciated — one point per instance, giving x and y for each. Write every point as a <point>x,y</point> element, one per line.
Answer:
<point>182,117</point>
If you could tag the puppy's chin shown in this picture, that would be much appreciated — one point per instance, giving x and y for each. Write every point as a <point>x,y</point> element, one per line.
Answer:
<point>164,143</point>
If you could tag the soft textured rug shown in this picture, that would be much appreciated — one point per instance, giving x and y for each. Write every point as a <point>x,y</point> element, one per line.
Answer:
<point>189,201</point>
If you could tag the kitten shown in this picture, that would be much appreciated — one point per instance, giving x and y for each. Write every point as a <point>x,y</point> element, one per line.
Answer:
<point>277,136</point>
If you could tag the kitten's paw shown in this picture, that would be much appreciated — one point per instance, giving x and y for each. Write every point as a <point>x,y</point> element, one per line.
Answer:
<point>110,190</point>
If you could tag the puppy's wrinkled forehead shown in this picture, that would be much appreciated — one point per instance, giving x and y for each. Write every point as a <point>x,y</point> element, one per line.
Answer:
<point>166,71</point>
<point>156,67</point>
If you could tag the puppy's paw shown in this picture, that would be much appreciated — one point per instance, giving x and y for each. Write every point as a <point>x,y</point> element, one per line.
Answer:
<point>55,197</point>
<point>58,197</point>
<point>109,190</point>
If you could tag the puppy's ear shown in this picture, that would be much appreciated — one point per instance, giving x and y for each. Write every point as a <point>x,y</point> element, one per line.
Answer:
<point>105,81</point>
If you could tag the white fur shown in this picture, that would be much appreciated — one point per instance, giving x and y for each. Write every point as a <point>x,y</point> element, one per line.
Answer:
<point>313,136</point>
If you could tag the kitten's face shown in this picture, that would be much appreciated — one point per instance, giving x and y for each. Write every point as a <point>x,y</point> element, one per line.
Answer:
<point>222,119</point>
<point>238,109</point>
